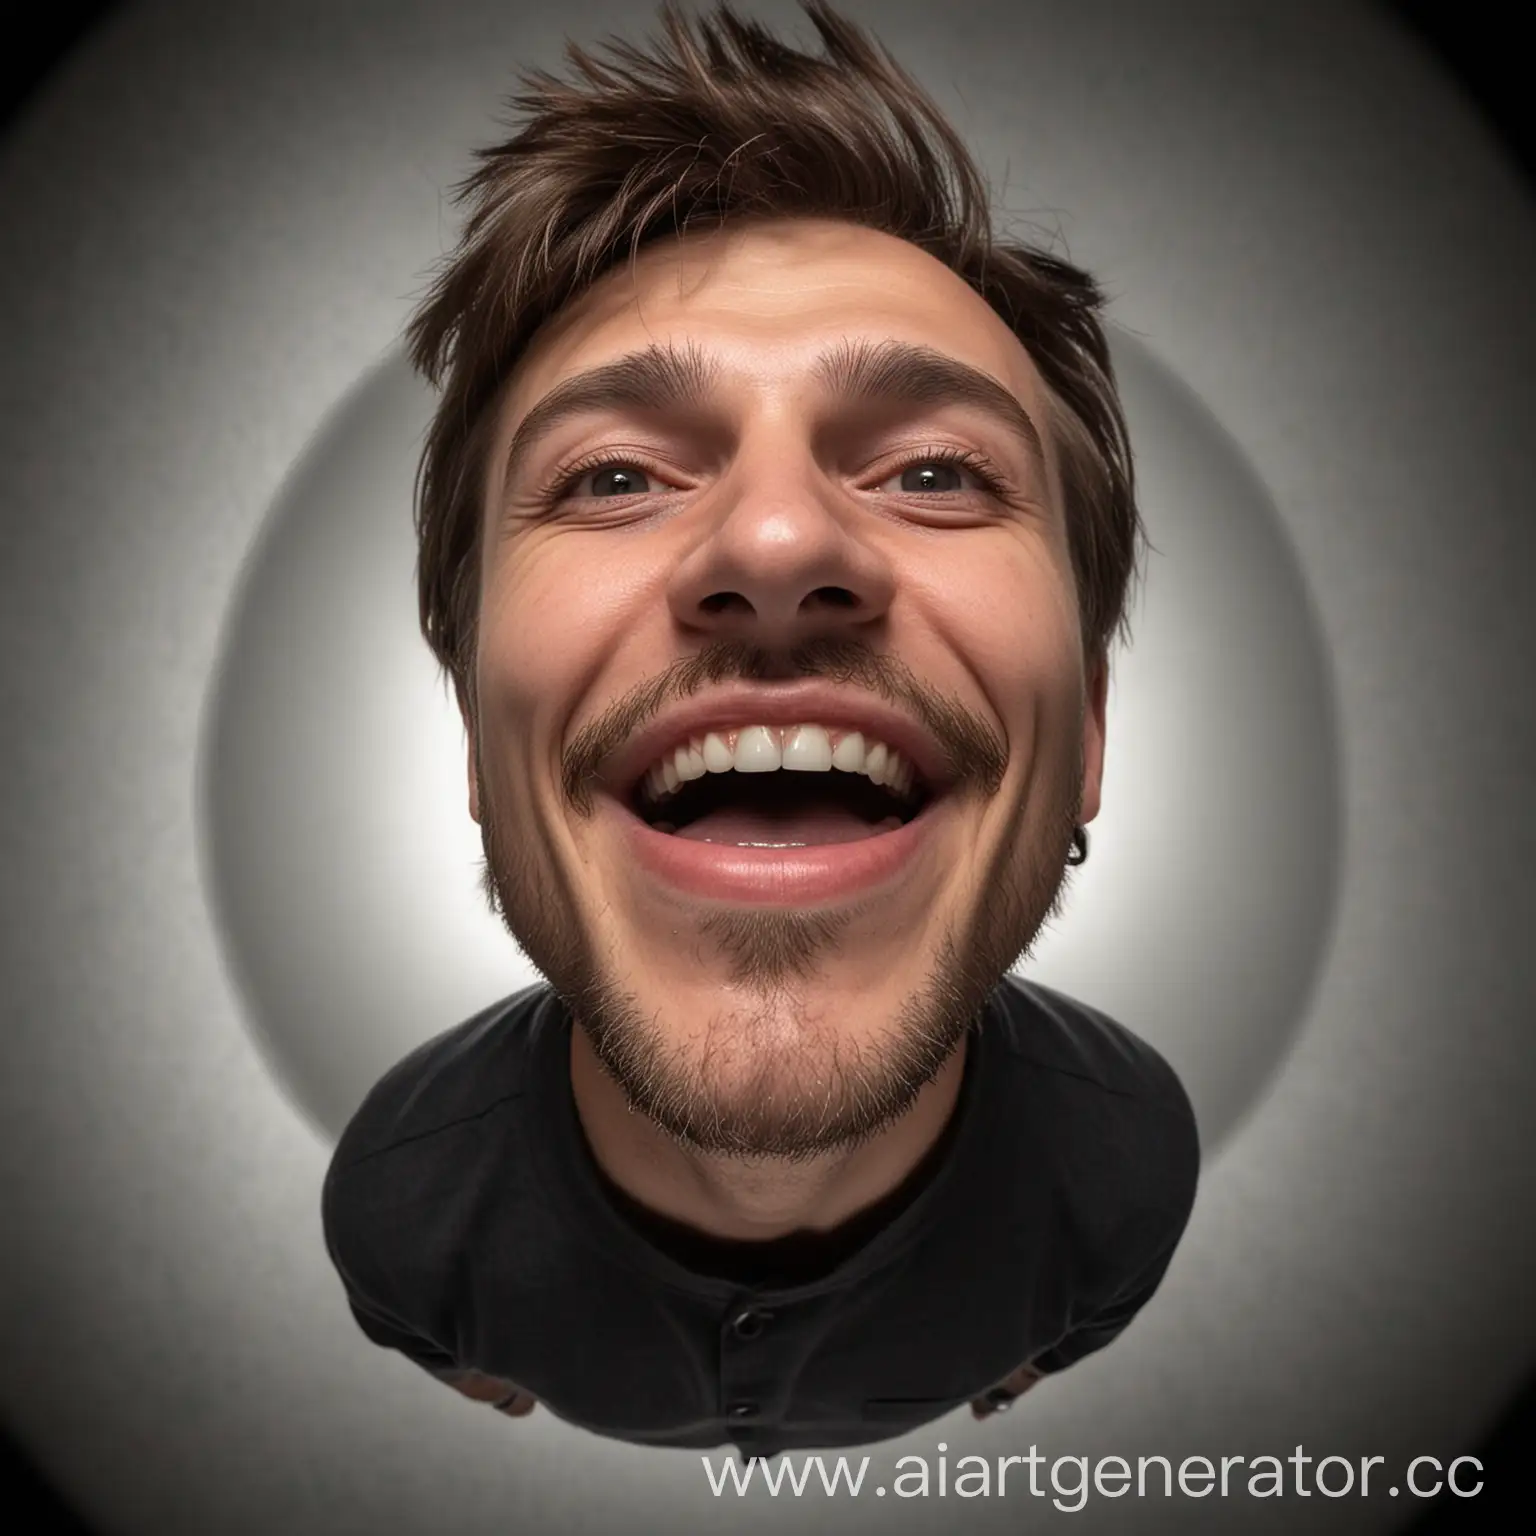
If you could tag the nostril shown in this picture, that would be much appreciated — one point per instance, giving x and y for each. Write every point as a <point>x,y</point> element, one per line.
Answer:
<point>725,602</point>
<point>836,597</point>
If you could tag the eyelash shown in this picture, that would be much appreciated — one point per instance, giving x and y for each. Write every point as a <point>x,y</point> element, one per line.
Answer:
<point>978,464</point>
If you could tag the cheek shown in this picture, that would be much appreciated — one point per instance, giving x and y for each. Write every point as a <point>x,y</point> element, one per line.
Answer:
<point>551,619</point>
<point>1012,615</point>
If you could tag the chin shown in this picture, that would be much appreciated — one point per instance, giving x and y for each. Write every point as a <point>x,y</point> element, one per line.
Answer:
<point>792,1071</point>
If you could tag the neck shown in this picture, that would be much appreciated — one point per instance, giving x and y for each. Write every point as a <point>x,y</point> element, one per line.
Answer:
<point>731,1198</point>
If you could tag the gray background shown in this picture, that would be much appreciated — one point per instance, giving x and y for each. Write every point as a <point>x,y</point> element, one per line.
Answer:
<point>1308,885</point>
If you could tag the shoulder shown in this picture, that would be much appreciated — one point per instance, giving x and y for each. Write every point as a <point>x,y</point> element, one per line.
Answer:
<point>458,1076</point>
<point>1072,1039</point>
<point>426,1135</point>
<point>1111,1111</point>
<point>424,1145</point>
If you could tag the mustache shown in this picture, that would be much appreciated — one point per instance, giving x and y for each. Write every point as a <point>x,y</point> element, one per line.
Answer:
<point>978,758</point>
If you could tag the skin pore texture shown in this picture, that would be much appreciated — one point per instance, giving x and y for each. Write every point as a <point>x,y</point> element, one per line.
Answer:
<point>757,1068</point>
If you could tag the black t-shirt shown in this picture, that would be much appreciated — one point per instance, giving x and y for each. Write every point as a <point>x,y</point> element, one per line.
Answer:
<point>473,1229</point>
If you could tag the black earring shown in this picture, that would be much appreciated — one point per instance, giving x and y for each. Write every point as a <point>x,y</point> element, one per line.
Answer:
<point>1079,854</point>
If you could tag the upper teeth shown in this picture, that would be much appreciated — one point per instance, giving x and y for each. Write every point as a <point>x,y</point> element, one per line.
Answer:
<point>764,748</point>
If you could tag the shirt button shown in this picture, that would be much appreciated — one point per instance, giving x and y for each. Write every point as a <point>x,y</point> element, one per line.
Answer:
<point>741,1410</point>
<point>748,1324</point>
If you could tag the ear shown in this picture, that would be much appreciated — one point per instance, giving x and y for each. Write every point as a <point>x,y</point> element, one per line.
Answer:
<point>471,744</point>
<point>1093,739</point>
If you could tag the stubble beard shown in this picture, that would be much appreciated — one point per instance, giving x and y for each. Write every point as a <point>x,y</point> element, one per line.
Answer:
<point>779,1080</point>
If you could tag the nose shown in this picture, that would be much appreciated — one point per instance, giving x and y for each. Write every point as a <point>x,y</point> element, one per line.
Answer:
<point>784,557</point>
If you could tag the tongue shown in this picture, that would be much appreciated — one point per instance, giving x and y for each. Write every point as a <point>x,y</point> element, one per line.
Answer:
<point>809,825</point>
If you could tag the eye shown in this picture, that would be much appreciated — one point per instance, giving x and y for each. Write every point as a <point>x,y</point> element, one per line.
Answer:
<point>945,470</point>
<point>612,480</point>
<point>932,475</point>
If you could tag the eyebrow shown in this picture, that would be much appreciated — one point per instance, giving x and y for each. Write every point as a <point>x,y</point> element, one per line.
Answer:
<point>663,377</point>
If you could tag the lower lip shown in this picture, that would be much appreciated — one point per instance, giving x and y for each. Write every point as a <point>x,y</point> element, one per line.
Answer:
<point>816,873</point>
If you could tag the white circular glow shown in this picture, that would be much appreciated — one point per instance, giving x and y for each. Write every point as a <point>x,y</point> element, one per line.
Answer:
<point>344,866</point>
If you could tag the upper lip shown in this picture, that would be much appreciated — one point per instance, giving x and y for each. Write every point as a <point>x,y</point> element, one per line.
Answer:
<point>807,703</point>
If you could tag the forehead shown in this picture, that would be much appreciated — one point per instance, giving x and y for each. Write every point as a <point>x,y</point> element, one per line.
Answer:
<point>763,299</point>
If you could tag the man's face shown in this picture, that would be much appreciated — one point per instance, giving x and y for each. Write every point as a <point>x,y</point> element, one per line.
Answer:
<point>773,962</point>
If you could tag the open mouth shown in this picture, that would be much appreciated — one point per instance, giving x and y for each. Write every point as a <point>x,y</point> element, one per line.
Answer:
<point>798,816</point>
<point>781,808</point>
